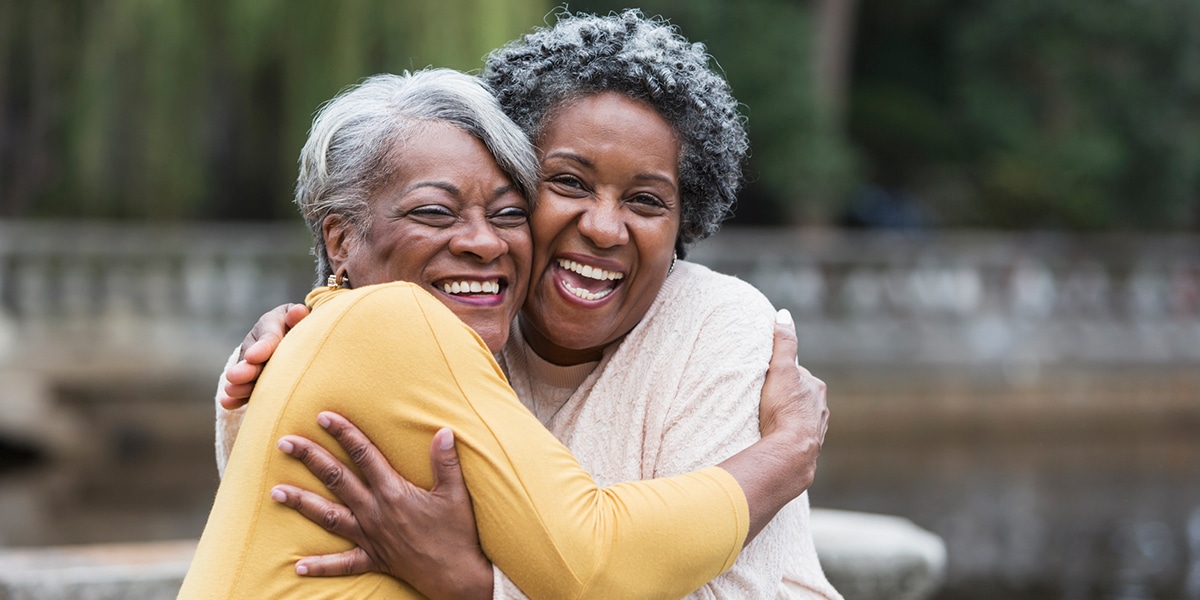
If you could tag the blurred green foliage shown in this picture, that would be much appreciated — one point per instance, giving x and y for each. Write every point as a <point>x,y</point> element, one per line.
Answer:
<point>801,167</point>
<point>175,109</point>
<point>1034,113</point>
<point>1009,113</point>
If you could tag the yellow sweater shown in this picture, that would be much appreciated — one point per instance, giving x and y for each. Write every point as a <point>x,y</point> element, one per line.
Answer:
<point>399,364</point>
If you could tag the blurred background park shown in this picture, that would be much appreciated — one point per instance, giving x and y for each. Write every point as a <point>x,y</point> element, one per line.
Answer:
<point>983,214</point>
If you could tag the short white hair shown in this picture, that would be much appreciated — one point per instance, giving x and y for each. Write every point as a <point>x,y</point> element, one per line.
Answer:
<point>356,143</point>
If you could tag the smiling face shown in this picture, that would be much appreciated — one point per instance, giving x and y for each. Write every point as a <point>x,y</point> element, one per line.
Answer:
<point>605,226</point>
<point>450,221</point>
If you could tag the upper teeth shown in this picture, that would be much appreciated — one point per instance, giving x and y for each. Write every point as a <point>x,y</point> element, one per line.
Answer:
<point>472,287</point>
<point>589,271</point>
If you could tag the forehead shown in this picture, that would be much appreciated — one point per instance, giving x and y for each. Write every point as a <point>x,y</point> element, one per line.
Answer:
<point>442,153</point>
<point>608,119</point>
<point>435,145</point>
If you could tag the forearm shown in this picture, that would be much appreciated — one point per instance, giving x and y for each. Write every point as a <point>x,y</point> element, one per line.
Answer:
<point>772,472</point>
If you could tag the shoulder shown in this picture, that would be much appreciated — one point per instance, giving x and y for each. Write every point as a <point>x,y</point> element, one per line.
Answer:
<point>396,309</point>
<point>398,300</point>
<point>696,292</point>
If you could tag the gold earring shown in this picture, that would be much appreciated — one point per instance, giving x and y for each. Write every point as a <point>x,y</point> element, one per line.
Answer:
<point>338,280</point>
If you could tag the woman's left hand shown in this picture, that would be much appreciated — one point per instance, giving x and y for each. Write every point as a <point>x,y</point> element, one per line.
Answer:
<point>426,538</point>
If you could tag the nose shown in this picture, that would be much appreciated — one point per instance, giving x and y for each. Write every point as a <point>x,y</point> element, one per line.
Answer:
<point>602,224</point>
<point>478,238</point>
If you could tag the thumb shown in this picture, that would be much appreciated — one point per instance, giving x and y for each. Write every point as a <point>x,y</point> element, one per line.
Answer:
<point>295,313</point>
<point>443,461</point>
<point>784,350</point>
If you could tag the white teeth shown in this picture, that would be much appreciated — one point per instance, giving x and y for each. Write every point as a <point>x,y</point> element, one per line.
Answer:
<point>586,295</point>
<point>590,272</point>
<point>491,286</point>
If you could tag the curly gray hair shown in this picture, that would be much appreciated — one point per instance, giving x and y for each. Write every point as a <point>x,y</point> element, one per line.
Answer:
<point>645,59</point>
<point>357,142</point>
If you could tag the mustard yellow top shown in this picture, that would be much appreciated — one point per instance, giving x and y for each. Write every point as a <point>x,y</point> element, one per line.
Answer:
<point>400,365</point>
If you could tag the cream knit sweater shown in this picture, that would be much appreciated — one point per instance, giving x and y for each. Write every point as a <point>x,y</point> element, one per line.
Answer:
<point>679,393</point>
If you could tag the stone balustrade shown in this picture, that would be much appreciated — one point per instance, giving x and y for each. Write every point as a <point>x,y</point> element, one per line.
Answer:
<point>104,296</point>
<point>107,293</point>
<point>975,298</point>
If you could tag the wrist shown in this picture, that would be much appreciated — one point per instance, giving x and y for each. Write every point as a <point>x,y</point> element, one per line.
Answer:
<point>797,454</point>
<point>476,582</point>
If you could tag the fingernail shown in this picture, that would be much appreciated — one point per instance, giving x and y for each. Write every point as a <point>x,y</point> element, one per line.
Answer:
<point>301,569</point>
<point>323,420</point>
<point>784,317</point>
<point>278,495</point>
<point>447,441</point>
<point>286,446</point>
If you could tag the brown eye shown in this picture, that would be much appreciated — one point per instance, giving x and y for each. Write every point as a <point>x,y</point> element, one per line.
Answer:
<point>568,185</point>
<point>649,200</point>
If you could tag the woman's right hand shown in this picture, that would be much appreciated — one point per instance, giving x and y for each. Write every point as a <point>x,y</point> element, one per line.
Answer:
<point>256,349</point>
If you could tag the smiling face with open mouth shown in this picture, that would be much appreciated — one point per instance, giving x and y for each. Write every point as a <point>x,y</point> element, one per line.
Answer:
<point>605,227</point>
<point>450,221</point>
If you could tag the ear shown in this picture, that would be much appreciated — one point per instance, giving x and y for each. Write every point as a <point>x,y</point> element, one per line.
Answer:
<point>339,240</point>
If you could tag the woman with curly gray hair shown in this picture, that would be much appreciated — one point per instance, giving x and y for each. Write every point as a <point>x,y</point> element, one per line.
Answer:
<point>645,365</point>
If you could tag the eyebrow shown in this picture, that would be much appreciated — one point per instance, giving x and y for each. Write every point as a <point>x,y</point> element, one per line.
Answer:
<point>441,185</point>
<point>589,164</point>
<point>452,189</point>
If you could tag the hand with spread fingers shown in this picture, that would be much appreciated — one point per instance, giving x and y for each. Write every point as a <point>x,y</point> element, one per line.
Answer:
<point>427,538</point>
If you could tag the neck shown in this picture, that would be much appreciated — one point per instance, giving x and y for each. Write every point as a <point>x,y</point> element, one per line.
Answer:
<point>554,353</point>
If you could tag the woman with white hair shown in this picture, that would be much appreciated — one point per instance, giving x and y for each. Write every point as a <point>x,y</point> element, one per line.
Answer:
<point>417,190</point>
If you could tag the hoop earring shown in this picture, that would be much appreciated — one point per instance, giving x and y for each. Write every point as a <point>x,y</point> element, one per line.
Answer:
<point>674,256</point>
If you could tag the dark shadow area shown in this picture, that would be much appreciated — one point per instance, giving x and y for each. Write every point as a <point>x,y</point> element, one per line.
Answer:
<point>15,456</point>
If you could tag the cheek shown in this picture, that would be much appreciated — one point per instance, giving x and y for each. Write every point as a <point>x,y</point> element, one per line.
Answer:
<point>520,247</point>
<point>552,216</point>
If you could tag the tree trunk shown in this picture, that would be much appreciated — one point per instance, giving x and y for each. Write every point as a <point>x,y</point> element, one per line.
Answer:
<point>833,38</point>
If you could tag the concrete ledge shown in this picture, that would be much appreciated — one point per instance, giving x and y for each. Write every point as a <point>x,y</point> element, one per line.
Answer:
<point>137,571</point>
<point>878,557</point>
<point>865,556</point>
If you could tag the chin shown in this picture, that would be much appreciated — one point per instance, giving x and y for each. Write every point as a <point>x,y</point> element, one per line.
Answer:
<point>495,336</point>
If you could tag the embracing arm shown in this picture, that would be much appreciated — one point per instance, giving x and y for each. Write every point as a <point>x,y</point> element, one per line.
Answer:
<point>420,536</point>
<point>771,472</point>
<point>242,371</point>
<point>540,516</point>
<point>793,419</point>
<point>714,414</point>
